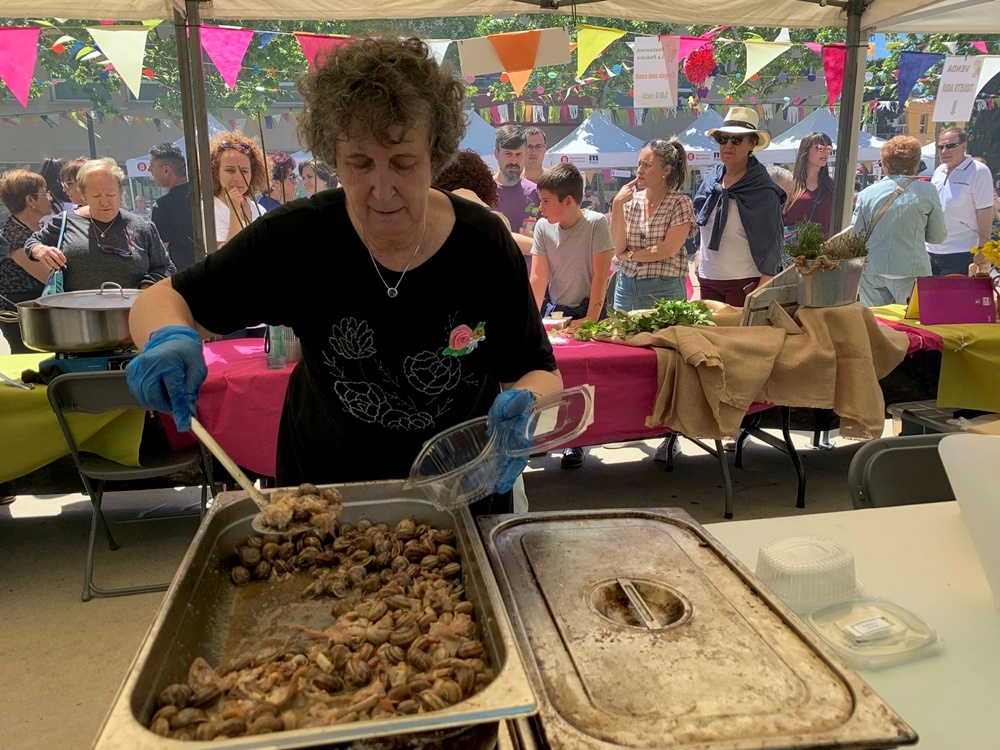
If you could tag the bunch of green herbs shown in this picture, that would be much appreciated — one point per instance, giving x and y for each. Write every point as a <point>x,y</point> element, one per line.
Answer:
<point>807,240</point>
<point>665,313</point>
<point>845,245</point>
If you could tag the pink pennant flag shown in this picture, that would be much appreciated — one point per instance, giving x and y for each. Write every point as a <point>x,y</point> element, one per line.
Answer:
<point>815,47</point>
<point>981,46</point>
<point>226,48</point>
<point>18,53</point>
<point>834,59</point>
<point>689,44</point>
<point>317,46</point>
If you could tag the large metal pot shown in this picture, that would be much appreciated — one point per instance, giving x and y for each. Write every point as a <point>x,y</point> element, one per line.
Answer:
<point>83,321</point>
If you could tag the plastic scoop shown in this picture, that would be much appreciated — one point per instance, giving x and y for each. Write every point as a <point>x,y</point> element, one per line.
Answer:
<point>461,465</point>
<point>244,481</point>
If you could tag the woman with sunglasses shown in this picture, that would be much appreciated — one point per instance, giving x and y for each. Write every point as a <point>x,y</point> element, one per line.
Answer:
<point>100,241</point>
<point>412,305</point>
<point>811,196</point>
<point>650,223</point>
<point>738,208</point>
<point>26,197</point>
<point>238,172</point>
<point>283,180</point>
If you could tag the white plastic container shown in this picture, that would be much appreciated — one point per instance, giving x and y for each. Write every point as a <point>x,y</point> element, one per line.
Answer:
<point>973,468</point>
<point>807,572</point>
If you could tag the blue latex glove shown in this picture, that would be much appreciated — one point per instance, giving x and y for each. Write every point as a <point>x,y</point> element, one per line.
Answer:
<point>509,417</point>
<point>168,374</point>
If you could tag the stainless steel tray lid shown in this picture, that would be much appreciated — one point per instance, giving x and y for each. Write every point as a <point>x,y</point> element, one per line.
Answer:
<point>110,296</point>
<point>645,633</point>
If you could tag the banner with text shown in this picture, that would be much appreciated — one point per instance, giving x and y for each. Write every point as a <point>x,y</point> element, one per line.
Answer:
<point>957,89</point>
<point>655,74</point>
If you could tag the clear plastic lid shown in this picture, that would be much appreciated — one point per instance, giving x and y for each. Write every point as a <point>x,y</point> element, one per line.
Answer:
<point>874,633</point>
<point>461,464</point>
<point>807,572</point>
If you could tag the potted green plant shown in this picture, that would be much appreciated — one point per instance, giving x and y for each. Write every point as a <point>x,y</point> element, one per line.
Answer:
<point>829,269</point>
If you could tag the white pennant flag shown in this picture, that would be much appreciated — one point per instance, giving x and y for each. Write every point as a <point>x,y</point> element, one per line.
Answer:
<point>124,46</point>
<point>438,48</point>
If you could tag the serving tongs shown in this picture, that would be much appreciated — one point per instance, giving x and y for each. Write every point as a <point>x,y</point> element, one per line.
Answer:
<point>244,481</point>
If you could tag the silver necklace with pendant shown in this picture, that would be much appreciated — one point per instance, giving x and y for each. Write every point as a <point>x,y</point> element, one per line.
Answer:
<point>392,291</point>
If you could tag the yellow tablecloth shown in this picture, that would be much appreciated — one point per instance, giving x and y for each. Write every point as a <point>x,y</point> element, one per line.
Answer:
<point>30,436</point>
<point>970,361</point>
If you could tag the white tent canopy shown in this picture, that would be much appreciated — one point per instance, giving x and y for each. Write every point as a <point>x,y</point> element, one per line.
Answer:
<point>931,16</point>
<point>480,137</point>
<point>597,143</point>
<point>700,146</point>
<point>783,150</point>
<point>138,166</point>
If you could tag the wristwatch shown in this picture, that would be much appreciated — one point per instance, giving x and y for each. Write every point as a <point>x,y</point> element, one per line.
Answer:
<point>629,254</point>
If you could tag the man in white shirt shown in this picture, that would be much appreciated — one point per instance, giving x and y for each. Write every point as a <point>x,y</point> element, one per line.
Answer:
<point>534,153</point>
<point>571,257</point>
<point>965,188</point>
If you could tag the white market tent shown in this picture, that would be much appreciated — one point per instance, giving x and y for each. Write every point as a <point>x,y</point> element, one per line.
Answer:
<point>138,166</point>
<point>859,17</point>
<point>700,146</point>
<point>596,143</point>
<point>784,149</point>
<point>480,137</point>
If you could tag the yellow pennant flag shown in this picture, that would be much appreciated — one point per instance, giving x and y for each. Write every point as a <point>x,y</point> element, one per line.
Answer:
<point>592,41</point>
<point>760,54</point>
<point>124,46</point>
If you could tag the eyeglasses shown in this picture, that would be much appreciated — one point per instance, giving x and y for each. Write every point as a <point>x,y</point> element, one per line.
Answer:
<point>244,147</point>
<point>111,250</point>
<point>654,143</point>
<point>67,184</point>
<point>947,146</point>
<point>722,140</point>
<point>822,147</point>
<point>46,193</point>
<point>535,147</point>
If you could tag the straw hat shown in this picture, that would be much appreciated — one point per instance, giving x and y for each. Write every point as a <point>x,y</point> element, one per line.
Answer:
<point>743,121</point>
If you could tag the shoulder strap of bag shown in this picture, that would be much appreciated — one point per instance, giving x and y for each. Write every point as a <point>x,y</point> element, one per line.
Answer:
<point>896,193</point>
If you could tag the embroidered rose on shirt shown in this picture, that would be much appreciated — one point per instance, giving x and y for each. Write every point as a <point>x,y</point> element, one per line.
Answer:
<point>464,340</point>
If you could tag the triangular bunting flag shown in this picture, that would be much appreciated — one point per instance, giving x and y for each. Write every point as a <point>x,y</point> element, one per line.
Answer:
<point>226,47</point>
<point>317,46</point>
<point>18,54</point>
<point>783,37</point>
<point>264,37</point>
<point>815,47</point>
<point>834,60</point>
<point>991,66</point>
<point>124,46</point>
<point>592,41</point>
<point>517,51</point>
<point>981,46</point>
<point>438,48</point>
<point>912,65</point>
<point>689,44</point>
<point>760,54</point>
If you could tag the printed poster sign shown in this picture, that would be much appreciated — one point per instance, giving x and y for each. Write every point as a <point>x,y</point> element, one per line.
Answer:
<point>958,88</point>
<point>655,74</point>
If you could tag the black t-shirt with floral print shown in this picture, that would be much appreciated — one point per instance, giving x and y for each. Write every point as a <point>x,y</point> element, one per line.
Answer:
<point>378,376</point>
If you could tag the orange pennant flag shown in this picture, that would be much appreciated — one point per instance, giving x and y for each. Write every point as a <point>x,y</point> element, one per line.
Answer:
<point>517,51</point>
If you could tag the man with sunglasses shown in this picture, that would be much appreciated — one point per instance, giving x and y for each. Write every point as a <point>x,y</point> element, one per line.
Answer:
<point>965,188</point>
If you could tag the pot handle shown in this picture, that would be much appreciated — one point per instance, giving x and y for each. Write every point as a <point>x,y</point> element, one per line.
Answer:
<point>112,287</point>
<point>9,316</point>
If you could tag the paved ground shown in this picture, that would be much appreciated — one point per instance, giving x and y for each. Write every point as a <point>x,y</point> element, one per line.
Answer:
<point>63,660</point>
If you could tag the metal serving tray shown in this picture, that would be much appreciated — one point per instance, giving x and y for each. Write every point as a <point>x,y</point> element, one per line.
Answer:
<point>196,616</point>
<point>647,633</point>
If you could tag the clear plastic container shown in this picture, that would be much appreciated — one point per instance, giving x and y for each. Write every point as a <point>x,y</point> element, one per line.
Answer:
<point>875,633</point>
<point>462,464</point>
<point>807,572</point>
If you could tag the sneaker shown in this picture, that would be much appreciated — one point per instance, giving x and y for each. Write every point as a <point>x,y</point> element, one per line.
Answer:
<point>572,458</point>
<point>661,450</point>
<point>7,499</point>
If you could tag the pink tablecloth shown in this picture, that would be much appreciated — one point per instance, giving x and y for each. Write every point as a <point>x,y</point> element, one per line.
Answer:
<point>240,402</point>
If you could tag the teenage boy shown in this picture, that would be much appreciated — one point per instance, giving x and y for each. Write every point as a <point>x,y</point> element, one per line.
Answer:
<point>571,254</point>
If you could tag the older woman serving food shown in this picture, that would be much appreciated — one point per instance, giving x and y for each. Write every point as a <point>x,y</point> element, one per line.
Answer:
<point>100,241</point>
<point>416,314</point>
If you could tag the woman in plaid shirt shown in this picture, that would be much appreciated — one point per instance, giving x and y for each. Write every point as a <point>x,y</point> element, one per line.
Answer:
<point>650,222</point>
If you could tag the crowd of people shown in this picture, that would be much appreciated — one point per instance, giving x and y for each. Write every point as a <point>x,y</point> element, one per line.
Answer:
<point>382,116</point>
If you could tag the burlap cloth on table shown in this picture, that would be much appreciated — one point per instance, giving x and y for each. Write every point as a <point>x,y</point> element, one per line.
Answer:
<point>709,376</point>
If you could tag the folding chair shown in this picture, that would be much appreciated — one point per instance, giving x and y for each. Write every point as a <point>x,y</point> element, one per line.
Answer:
<point>96,393</point>
<point>901,470</point>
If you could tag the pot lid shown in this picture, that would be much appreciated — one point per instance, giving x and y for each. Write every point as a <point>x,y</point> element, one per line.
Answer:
<point>110,296</point>
<point>646,633</point>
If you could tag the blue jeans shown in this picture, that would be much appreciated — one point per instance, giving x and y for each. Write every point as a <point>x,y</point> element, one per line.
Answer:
<point>642,294</point>
<point>943,264</point>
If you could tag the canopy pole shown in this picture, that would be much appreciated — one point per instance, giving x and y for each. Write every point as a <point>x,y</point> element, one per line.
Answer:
<point>851,100</point>
<point>192,82</point>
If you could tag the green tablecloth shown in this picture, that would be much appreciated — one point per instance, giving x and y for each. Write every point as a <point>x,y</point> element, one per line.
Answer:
<point>30,436</point>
